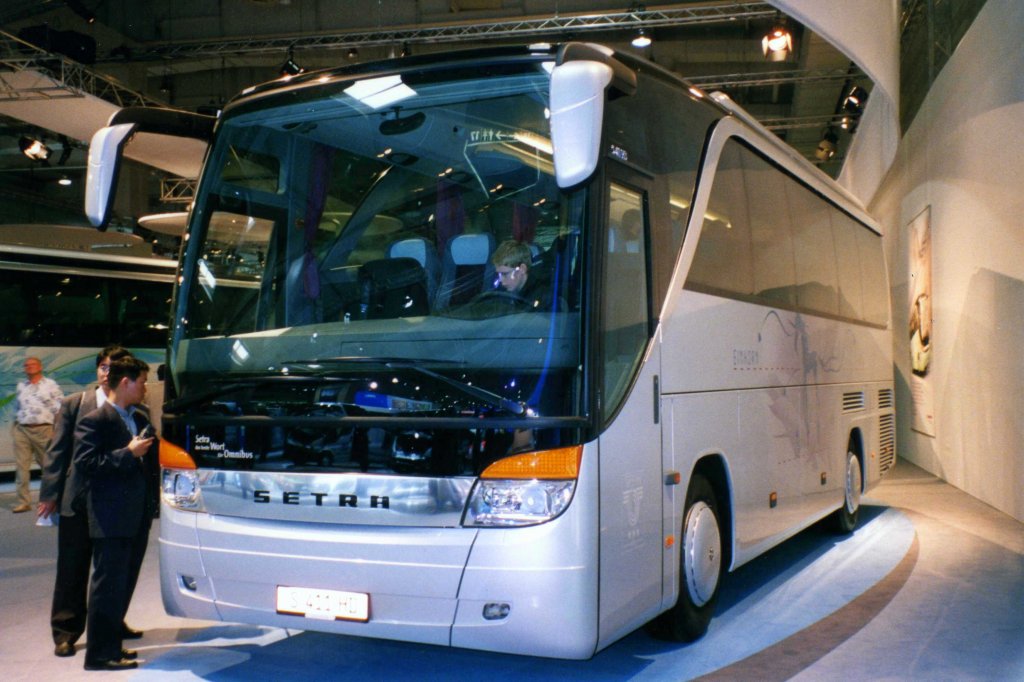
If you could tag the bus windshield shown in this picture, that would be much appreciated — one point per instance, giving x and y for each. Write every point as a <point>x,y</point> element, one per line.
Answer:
<point>394,246</point>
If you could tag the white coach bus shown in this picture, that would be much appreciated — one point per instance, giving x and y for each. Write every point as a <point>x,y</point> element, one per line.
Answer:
<point>369,432</point>
<point>66,293</point>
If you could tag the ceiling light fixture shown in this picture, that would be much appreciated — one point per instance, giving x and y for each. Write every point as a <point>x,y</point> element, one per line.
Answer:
<point>852,108</point>
<point>828,146</point>
<point>290,66</point>
<point>33,148</point>
<point>352,53</point>
<point>64,181</point>
<point>856,100</point>
<point>777,44</point>
<point>641,40</point>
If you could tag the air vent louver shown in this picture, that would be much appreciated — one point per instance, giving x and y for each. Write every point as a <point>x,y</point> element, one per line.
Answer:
<point>853,402</point>
<point>886,442</point>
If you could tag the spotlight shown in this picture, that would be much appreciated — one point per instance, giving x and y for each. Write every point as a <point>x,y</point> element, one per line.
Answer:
<point>64,181</point>
<point>855,101</point>
<point>290,68</point>
<point>165,84</point>
<point>34,149</point>
<point>641,40</point>
<point>827,147</point>
<point>852,108</point>
<point>777,43</point>
<point>352,53</point>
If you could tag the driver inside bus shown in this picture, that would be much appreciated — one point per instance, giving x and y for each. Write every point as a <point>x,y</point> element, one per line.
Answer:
<point>512,262</point>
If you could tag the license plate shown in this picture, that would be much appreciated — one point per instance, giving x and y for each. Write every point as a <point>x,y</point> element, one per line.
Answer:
<point>323,604</point>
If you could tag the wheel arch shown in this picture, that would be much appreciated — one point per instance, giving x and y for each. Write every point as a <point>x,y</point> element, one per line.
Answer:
<point>714,468</point>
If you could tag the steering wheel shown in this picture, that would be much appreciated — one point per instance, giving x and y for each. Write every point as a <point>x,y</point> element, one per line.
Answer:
<point>495,302</point>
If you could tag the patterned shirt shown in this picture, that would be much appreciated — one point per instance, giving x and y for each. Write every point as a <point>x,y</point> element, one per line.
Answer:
<point>38,403</point>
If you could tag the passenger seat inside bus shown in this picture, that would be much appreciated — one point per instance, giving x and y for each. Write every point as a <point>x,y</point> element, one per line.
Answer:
<point>425,254</point>
<point>466,269</point>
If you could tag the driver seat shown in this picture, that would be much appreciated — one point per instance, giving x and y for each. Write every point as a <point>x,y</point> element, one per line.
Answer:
<point>391,288</point>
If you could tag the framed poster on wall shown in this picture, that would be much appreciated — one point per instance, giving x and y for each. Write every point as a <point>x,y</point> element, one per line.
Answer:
<point>920,328</point>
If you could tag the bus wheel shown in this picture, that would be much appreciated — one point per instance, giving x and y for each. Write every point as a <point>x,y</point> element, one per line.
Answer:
<point>846,516</point>
<point>700,570</point>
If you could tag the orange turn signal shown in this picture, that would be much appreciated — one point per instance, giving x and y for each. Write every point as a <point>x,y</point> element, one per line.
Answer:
<point>173,457</point>
<point>557,464</point>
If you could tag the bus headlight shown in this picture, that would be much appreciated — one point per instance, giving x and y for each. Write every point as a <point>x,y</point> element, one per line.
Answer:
<point>180,489</point>
<point>526,489</point>
<point>517,503</point>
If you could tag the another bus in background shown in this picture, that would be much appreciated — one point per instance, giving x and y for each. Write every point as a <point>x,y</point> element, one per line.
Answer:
<point>66,292</point>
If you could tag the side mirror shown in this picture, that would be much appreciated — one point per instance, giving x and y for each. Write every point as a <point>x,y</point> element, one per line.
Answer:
<point>579,83</point>
<point>105,152</point>
<point>577,113</point>
<point>107,147</point>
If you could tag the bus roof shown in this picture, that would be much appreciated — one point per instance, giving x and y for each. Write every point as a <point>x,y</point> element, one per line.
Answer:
<point>84,246</point>
<point>70,238</point>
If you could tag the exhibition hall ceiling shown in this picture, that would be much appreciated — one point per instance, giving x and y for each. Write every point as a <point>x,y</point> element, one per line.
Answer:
<point>196,54</point>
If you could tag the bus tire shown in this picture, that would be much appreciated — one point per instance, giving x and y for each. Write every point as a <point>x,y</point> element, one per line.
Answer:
<point>845,518</point>
<point>700,573</point>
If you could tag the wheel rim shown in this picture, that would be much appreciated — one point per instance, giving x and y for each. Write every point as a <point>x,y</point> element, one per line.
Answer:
<point>852,484</point>
<point>702,558</point>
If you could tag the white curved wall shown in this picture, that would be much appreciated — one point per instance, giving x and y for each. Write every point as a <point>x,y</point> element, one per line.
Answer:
<point>962,157</point>
<point>867,31</point>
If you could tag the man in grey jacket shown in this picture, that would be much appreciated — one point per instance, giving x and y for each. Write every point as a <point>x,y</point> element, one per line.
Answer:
<point>62,491</point>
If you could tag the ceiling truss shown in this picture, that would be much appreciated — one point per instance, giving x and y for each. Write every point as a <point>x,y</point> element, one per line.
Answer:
<point>538,27</point>
<point>66,78</point>
<point>70,79</point>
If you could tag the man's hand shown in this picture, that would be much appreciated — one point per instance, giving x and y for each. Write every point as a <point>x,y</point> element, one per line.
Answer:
<point>45,509</point>
<point>139,446</point>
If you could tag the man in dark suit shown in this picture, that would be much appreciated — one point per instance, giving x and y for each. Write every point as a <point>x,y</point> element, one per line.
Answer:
<point>115,450</point>
<point>62,490</point>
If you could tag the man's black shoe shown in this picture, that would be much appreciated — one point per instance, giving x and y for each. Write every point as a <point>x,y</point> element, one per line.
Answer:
<point>64,649</point>
<point>111,665</point>
<point>129,654</point>
<point>130,632</point>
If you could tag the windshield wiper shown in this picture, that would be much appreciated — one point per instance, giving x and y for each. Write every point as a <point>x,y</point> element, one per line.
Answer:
<point>492,399</point>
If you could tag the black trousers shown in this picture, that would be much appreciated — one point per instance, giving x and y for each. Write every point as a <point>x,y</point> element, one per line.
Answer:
<point>74,555</point>
<point>116,563</point>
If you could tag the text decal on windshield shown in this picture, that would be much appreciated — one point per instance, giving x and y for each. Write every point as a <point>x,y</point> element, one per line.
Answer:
<point>209,447</point>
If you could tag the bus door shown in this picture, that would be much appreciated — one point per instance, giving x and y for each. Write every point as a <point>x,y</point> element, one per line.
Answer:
<point>630,444</point>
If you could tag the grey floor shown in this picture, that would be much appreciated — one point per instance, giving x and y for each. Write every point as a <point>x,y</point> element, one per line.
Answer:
<point>930,587</point>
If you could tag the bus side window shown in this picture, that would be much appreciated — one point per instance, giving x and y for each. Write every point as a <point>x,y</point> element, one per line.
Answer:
<point>817,280</point>
<point>770,239</point>
<point>844,229</point>
<point>723,261</point>
<point>625,323</point>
